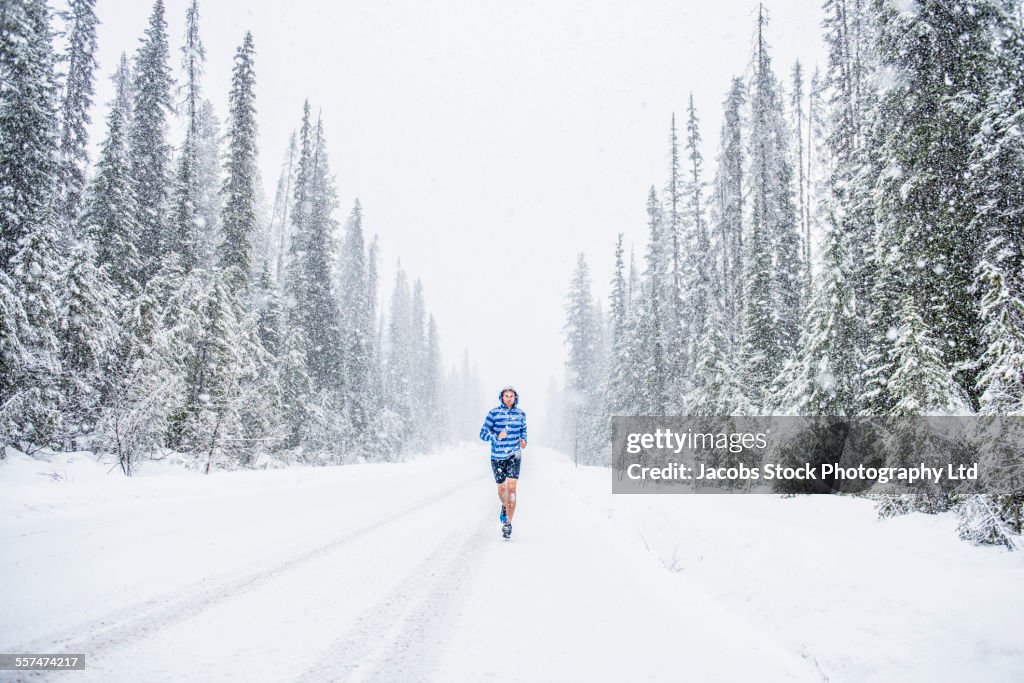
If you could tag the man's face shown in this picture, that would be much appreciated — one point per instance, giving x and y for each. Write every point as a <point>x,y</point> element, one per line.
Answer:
<point>507,397</point>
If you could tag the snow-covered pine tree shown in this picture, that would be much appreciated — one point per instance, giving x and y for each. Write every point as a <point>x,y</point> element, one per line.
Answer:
<point>418,356</point>
<point>633,282</point>
<point>146,386</point>
<point>921,382</point>
<point>319,304</point>
<point>774,279</point>
<point>239,215</point>
<point>718,390</point>
<point>149,153</point>
<point>37,269</point>
<point>78,91</point>
<point>109,216</point>
<point>619,390</point>
<point>823,376</point>
<point>357,325</point>
<point>30,236</point>
<point>439,418</point>
<point>28,134</point>
<point>938,57</point>
<point>376,340</point>
<point>279,226</point>
<point>796,103</point>
<point>676,324</point>
<point>997,188</point>
<point>400,347</point>
<point>208,197</point>
<point>727,209</point>
<point>184,231</point>
<point>581,335</point>
<point>223,362</point>
<point>701,271</point>
<point>295,385</point>
<point>88,338</point>
<point>269,313</point>
<point>648,354</point>
<point>193,60</point>
<point>14,360</point>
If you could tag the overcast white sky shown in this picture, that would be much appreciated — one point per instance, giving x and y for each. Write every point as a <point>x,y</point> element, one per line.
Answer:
<point>489,142</point>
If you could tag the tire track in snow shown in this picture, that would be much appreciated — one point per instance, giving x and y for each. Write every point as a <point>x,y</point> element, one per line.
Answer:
<point>402,636</point>
<point>142,620</point>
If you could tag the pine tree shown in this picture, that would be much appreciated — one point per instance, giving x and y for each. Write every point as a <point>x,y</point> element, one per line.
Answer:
<point>270,314</point>
<point>78,92</point>
<point>28,136</point>
<point>109,216</point>
<point>239,216</point>
<point>921,383</point>
<point>718,388</point>
<point>279,212</point>
<point>399,367</point>
<point>29,233</point>
<point>146,386</point>
<point>583,338</point>
<point>727,208</point>
<point>418,353</point>
<point>88,339</point>
<point>209,202</point>
<point>319,305</point>
<point>650,352</point>
<point>619,384</point>
<point>193,59</point>
<point>702,276</point>
<point>184,239</point>
<point>796,101</point>
<point>773,273</point>
<point>147,140</point>
<point>14,360</point>
<point>356,324</point>
<point>941,55</point>
<point>438,418</point>
<point>36,419</point>
<point>997,190</point>
<point>823,377</point>
<point>677,273</point>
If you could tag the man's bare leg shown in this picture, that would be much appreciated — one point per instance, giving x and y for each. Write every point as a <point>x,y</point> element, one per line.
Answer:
<point>510,506</point>
<point>503,495</point>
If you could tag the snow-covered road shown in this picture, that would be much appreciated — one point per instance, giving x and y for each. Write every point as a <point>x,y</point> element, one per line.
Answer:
<point>370,572</point>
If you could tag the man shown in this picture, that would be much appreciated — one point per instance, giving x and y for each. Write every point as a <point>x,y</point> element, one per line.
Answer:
<point>505,428</point>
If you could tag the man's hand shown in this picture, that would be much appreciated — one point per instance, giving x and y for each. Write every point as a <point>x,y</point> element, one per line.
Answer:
<point>522,444</point>
<point>502,435</point>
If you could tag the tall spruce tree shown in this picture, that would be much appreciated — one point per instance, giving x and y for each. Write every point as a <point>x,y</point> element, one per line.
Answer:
<point>28,135</point>
<point>78,92</point>
<point>110,214</point>
<point>149,153</point>
<point>184,238</point>
<point>320,307</point>
<point>940,57</point>
<point>29,232</point>
<point>356,323</point>
<point>727,209</point>
<point>773,274</point>
<point>702,278</point>
<point>88,337</point>
<point>239,214</point>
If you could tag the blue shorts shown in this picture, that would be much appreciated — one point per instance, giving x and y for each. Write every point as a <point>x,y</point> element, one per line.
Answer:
<point>506,468</point>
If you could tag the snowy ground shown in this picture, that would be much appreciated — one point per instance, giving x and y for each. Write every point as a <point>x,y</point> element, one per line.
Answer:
<point>398,572</point>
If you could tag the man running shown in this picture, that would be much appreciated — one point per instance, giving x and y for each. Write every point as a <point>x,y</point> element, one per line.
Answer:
<point>505,428</point>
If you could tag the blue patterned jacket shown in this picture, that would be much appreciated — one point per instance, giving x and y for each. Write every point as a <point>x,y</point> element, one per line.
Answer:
<point>510,420</point>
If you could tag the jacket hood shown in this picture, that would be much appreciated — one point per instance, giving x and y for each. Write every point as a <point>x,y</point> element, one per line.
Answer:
<point>509,387</point>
